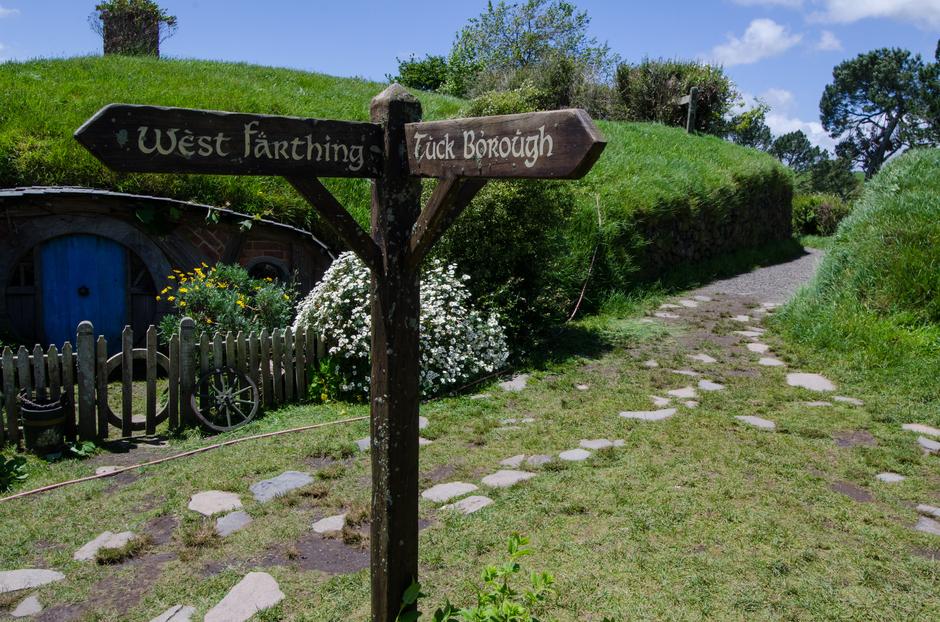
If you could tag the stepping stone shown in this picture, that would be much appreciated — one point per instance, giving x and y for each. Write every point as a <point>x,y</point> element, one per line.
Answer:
<point>446,492</point>
<point>620,442</point>
<point>650,363</point>
<point>703,358</point>
<point>232,522</point>
<point>770,305</point>
<point>757,422</point>
<point>817,404</point>
<point>597,443</point>
<point>708,385</point>
<point>423,441</point>
<point>469,505</point>
<point>107,470</point>
<point>518,383</point>
<point>649,415</point>
<point>921,429</point>
<point>287,481</point>
<point>176,613</point>
<point>256,592</point>
<point>514,421</point>
<point>690,404</point>
<point>507,478</point>
<point>660,401</point>
<point>702,298</point>
<point>769,361</point>
<point>854,401</point>
<point>363,444</point>
<point>890,478</point>
<point>106,540</point>
<point>690,304</point>
<point>684,392</point>
<point>665,315</point>
<point>330,524</point>
<point>538,460</point>
<point>15,580</point>
<point>750,334</point>
<point>582,387</point>
<point>929,446</point>
<point>928,510</point>
<point>423,422</point>
<point>646,320</point>
<point>28,607</point>
<point>686,372</point>
<point>742,318</point>
<point>575,455</point>
<point>754,329</point>
<point>759,348</point>
<point>813,382</point>
<point>669,305</point>
<point>480,396</point>
<point>214,501</point>
<point>514,461</point>
<point>928,525</point>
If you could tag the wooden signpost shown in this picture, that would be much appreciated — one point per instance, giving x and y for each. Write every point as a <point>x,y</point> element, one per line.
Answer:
<point>396,150</point>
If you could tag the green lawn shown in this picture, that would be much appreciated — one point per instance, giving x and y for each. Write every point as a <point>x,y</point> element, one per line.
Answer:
<point>696,517</point>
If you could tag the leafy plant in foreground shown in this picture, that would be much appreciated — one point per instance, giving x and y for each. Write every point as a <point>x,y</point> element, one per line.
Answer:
<point>12,470</point>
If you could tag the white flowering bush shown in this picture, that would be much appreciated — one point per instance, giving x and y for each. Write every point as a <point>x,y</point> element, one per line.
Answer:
<point>457,344</point>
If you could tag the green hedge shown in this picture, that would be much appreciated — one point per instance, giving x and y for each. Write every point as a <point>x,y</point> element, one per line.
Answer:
<point>818,214</point>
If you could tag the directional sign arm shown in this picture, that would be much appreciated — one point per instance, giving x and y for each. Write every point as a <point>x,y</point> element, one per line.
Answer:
<point>451,196</point>
<point>338,219</point>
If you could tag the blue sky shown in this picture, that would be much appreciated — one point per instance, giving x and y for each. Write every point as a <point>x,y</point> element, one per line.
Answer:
<point>780,50</point>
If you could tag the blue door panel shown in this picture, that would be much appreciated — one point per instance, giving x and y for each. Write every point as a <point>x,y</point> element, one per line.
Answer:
<point>84,277</point>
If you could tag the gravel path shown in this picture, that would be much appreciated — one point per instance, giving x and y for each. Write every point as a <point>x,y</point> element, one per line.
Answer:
<point>771,284</point>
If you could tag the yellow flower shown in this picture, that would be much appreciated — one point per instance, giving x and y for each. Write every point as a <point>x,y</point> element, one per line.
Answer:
<point>205,265</point>
<point>240,303</point>
<point>286,297</point>
<point>171,277</point>
<point>158,298</point>
<point>268,279</point>
<point>323,397</point>
<point>182,303</point>
<point>177,270</point>
<point>164,290</point>
<point>183,290</point>
<point>171,298</point>
<point>208,320</point>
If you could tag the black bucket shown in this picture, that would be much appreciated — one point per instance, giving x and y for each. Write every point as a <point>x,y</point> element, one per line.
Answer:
<point>43,423</point>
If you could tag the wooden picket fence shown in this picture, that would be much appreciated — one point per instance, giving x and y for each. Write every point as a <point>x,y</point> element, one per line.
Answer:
<point>277,361</point>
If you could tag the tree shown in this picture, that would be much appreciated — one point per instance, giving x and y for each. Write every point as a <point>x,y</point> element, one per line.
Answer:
<point>427,74</point>
<point>132,27</point>
<point>796,151</point>
<point>880,103</point>
<point>750,129</point>
<point>831,176</point>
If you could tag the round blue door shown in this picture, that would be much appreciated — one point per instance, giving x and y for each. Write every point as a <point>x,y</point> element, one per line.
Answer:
<point>84,277</point>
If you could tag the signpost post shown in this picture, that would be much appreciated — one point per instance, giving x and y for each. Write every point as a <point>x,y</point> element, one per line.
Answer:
<point>395,149</point>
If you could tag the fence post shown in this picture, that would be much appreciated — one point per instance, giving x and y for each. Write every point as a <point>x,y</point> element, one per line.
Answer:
<point>241,353</point>
<point>85,344</point>
<point>68,388</point>
<point>39,372</point>
<point>267,390</point>
<point>187,368</point>
<point>173,394</point>
<point>151,414</point>
<point>101,370</point>
<point>693,102</point>
<point>9,394</point>
<point>23,373</point>
<point>127,382</point>
<point>254,365</point>
<point>54,371</point>
<point>300,362</point>
<point>230,350</point>
<point>277,354</point>
<point>288,365</point>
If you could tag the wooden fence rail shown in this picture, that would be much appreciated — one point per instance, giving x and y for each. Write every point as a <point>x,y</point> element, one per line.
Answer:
<point>277,361</point>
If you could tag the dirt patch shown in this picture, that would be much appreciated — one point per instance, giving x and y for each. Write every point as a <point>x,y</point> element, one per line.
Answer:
<point>161,528</point>
<point>439,473</point>
<point>854,438</point>
<point>931,554</point>
<point>314,552</point>
<point>849,489</point>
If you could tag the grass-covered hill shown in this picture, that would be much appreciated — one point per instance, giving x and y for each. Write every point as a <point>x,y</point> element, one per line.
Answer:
<point>876,298</point>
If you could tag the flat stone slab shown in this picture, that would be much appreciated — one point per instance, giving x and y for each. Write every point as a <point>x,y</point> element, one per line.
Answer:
<point>666,315</point>
<point>28,607</point>
<point>703,358</point>
<point>256,592</point>
<point>757,422</point>
<point>649,415</point>
<point>755,329</point>
<point>660,402</point>
<point>683,393</point>
<point>506,478</point>
<point>597,443</point>
<point>287,481</point>
<point>582,387</point>
<point>770,305</point>
<point>176,613</point>
<point>423,423</point>
<point>689,304</point>
<point>921,429</point>
<point>446,492</point>
<point>701,298</point>
<point>742,318</point>
<point>107,470</point>
<point>669,305</point>
<point>232,522</point>
<point>650,363</point>
<point>690,404</point>
<point>691,373</point>
<point>928,445</point>
<point>813,382</point>
<point>575,455</point>
<point>708,385</point>
<point>214,501</point>
<point>515,421</point>
<point>106,540</point>
<point>422,442</point>
<point>928,525</point>
<point>469,505</point>
<point>817,404</point>
<point>513,461</point>
<point>890,478</point>
<point>516,384</point>
<point>769,361</point>
<point>854,401</point>
<point>750,334</point>
<point>480,396</point>
<point>330,524</point>
<point>363,444</point>
<point>758,348</point>
<point>538,460</point>
<point>928,510</point>
<point>14,580</point>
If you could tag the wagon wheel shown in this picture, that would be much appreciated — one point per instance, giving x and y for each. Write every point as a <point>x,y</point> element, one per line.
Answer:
<point>228,398</point>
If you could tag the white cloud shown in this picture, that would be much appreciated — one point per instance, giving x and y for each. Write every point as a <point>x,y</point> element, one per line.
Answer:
<point>762,39</point>
<point>923,13</point>
<point>790,4</point>
<point>828,42</point>
<point>4,12</point>
<point>778,99</point>
<point>780,124</point>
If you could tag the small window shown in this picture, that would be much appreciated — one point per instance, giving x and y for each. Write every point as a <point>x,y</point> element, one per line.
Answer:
<point>24,272</point>
<point>268,270</point>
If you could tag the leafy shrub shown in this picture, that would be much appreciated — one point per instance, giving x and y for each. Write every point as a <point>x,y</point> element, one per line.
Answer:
<point>457,342</point>
<point>224,298</point>
<point>525,98</point>
<point>497,600</point>
<point>426,74</point>
<point>818,214</point>
<point>12,470</point>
